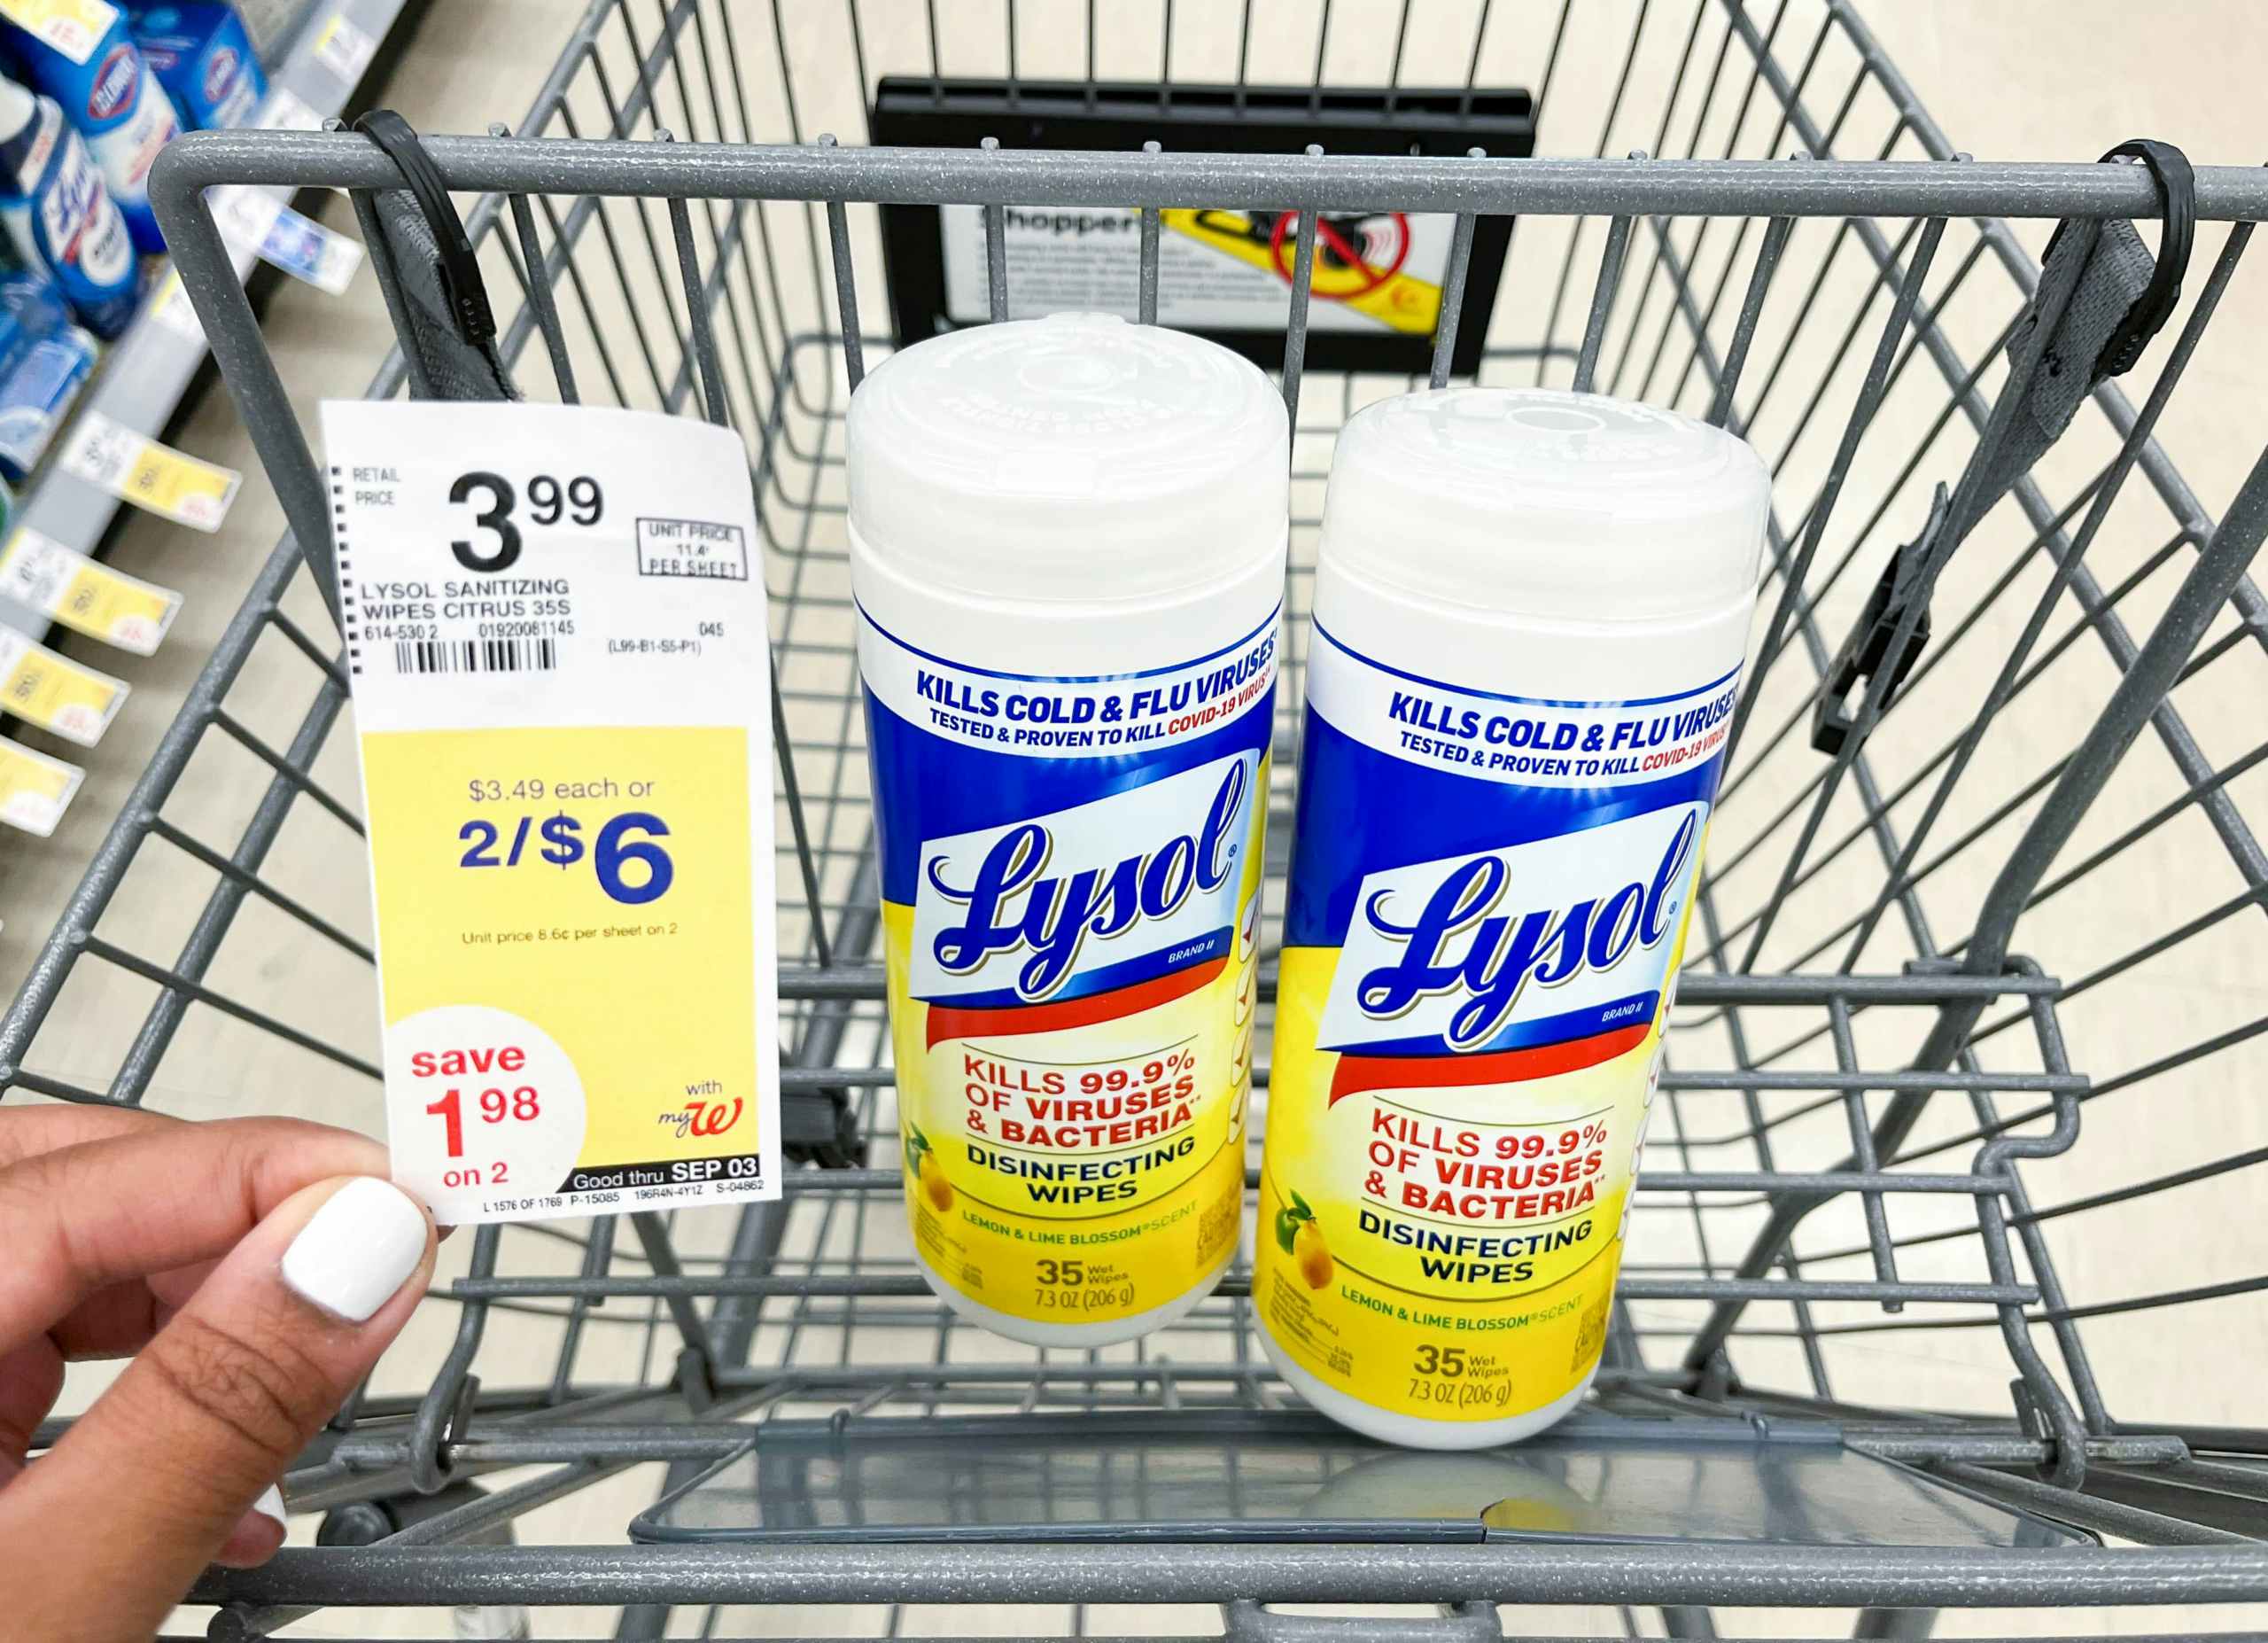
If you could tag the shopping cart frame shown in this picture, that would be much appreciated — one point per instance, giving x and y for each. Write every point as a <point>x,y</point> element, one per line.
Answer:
<point>2062,1428</point>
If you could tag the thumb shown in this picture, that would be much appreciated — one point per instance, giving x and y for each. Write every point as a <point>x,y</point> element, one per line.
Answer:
<point>218,1405</point>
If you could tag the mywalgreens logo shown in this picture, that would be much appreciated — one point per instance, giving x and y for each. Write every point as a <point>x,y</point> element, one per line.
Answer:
<point>112,90</point>
<point>1466,949</point>
<point>1022,910</point>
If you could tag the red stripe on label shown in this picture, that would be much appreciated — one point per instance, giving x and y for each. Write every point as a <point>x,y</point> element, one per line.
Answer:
<point>1356,1073</point>
<point>947,1022</point>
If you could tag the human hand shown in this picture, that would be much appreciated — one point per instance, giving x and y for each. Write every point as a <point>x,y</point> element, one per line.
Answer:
<point>254,1269</point>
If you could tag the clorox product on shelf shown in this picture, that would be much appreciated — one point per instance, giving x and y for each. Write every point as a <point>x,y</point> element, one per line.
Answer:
<point>1066,548</point>
<point>114,100</point>
<point>204,58</point>
<point>1530,612</point>
<point>59,216</point>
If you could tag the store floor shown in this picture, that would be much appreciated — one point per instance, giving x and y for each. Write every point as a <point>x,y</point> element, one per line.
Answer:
<point>2046,78</point>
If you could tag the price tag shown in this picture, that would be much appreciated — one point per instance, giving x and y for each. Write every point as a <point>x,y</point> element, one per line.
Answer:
<point>151,476</point>
<point>170,307</point>
<point>346,49</point>
<point>74,27</point>
<point>302,247</point>
<point>34,790</point>
<point>286,110</point>
<point>67,587</point>
<point>565,731</point>
<point>54,692</point>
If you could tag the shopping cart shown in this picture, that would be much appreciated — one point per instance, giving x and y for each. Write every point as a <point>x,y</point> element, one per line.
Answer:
<point>1947,1263</point>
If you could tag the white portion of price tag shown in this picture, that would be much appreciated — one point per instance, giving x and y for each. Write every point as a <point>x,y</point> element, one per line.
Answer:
<point>171,307</point>
<point>346,49</point>
<point>151,476</point>
<point>286,110</point>
<point>34,790</point>
<point>65,585</point>
<point>562,697</point>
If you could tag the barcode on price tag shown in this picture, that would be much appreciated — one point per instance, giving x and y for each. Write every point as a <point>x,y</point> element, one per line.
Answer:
<point>34,790</point>
<point>567,774</point>
<point>158,478</point>
<point>54,692</point>
<point>65,585</point>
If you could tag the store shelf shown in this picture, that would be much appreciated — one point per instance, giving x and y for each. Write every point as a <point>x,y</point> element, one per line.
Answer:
<point>143,376</point>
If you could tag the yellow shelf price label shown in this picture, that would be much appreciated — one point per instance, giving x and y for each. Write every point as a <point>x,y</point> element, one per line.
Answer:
<point>557,644</point>
<point>50,690</point>
<point>85,595</point>
<point>34,790</point>
<point>74,27</point>
<point>138,469</point>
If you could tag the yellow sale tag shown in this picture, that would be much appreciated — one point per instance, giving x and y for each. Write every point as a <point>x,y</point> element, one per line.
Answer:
<point>134,468</point>
<point>55,692</point>
<point>74,27</point>
<point>34,790</point>
<point>556,643</point>
<point>82,595</point>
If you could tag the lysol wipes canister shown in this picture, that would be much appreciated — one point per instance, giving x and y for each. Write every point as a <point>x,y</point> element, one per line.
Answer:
<point>1067,553</point>
<point>1530,614</point>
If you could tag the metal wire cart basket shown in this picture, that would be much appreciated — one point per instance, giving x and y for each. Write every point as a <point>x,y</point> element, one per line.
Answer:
<point>1947,1262</point>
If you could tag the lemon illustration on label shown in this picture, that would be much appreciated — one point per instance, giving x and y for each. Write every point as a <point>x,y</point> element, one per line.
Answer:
<point>921,1164</point>
<point>1298,1236</point>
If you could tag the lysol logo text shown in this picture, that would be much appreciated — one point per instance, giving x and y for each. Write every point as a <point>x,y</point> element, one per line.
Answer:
<point>1018,911</point>
<point>1461,953</point>
<point>1015,905</point>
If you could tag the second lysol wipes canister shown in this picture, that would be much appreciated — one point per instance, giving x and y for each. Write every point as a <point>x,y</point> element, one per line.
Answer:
<point>1531,609</point>
<point>1067,546</point>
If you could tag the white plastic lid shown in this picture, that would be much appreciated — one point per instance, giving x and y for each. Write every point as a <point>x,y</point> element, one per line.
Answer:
<point>1074,457</point>
<point>1542,503</point>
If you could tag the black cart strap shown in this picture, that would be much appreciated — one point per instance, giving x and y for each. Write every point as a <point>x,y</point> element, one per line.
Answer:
<point>2121,297</point>
<point>428,274</point>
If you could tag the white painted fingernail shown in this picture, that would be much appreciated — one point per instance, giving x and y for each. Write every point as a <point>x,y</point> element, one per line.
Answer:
<point>359,1248</point>
<point>270,1504</point>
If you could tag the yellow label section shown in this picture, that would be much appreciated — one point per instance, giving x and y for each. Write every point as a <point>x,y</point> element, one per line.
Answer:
<point>116,608</point>
<point>57,694</point>
<point>151,476</point>
<point>582,896</point>
<point>1349,268</point>
<point>91,598</point>
<point>165,481</point>
<point>1089,1172</point>
<point>34,790</point>
<point>1443,1250</point>
<point>73,27</point>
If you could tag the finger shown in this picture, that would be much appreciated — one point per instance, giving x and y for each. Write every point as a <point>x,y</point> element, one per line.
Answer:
<point>218,1405</point>
<point>258,1533</point>
<point>113,1322</point>
<point>24,1131</point>
<point>85,1216</point>
<point>118,1320</point>
<point>31,1379</point>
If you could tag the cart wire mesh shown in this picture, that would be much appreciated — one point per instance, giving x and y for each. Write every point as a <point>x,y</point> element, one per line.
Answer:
<point>1926,1149</point>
